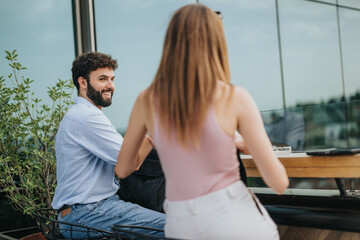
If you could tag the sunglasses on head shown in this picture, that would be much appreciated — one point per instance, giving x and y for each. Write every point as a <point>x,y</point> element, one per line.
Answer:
<point>219,14</point>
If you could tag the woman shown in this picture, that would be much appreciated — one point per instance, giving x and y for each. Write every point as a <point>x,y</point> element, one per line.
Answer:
<point>192,111</point>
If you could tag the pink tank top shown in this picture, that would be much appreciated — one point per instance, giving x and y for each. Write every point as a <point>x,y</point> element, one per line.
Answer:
<point>192,173</point>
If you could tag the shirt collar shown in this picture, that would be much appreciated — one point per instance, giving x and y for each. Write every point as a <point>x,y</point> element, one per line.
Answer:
<point>85,101</point>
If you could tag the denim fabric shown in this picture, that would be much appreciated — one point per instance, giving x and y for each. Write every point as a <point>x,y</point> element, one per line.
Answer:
<point>104,214</point>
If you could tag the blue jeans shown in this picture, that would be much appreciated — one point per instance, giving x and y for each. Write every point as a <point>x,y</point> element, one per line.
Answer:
<point>107,212</point>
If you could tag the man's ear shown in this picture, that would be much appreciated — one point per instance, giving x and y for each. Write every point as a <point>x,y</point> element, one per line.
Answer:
<point>82,83</point>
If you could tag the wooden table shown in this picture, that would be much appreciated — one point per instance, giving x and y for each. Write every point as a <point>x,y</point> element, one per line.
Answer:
<point>302,165</point>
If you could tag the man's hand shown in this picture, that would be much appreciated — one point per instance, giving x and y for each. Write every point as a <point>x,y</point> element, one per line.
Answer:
<point>240,143</point>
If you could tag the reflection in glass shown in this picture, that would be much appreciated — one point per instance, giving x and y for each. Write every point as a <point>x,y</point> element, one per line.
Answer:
<point>285,128</point>
<point>353,124</point>
<point>334,124</point>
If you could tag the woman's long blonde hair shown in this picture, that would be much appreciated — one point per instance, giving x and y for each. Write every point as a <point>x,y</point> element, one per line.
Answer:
<point>194,58</point>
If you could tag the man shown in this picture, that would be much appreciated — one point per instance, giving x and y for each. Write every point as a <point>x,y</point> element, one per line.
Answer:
<point>87,146</point>
<point>287,127</point>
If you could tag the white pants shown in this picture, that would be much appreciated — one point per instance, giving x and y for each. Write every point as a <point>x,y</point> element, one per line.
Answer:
<point>230,213</point>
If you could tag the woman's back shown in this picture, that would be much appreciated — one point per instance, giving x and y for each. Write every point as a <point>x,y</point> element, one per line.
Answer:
<point>204,197</point>
<point>193,172</point>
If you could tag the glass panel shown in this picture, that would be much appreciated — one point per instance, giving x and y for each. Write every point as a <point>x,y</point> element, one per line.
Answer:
<point>310,127</point>
<point>312,183</point>
<point>353,123</point>
<point>350,37</point>
<point>314,127</point>
<point>310,46</point>
<point>325,126</point>
<point>286,127</point>
<point>251,35</point>
<point>42,32</point>
<point>327,1</point>
<point>350,3</point>
<point>133,33</point>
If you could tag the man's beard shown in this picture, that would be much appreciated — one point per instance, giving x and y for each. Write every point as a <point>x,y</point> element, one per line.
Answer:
<point>96,97</point>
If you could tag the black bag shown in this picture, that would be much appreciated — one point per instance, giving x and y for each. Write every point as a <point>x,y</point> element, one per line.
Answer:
<point>146,186</point>
<point>242,169</point>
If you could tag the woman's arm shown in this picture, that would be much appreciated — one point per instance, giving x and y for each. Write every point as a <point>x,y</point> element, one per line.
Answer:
<point>253,131</point>
<point>240,143</point>
<point>137,145</point>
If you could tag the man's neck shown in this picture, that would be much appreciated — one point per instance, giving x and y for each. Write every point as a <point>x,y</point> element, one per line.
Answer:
<point>86,97</point>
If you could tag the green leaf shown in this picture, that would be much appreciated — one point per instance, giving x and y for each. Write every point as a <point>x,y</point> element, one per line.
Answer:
<point>25,128</point>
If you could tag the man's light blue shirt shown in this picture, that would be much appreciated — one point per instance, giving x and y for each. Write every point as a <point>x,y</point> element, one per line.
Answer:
<point>87,146</point>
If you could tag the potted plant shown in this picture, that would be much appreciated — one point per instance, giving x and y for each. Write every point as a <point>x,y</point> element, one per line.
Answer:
<point>27,131</point>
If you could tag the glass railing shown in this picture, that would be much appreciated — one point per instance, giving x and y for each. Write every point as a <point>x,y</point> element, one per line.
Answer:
<point>311,127</point>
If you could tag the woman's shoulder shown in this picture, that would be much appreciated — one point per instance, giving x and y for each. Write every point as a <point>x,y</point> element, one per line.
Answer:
<point>144,96</point>
<point>144,102</point>
<point>241,93</point>
<point>231,92</point>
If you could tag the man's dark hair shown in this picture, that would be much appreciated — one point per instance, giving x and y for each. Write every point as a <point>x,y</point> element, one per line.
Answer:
<point>88,62</point>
